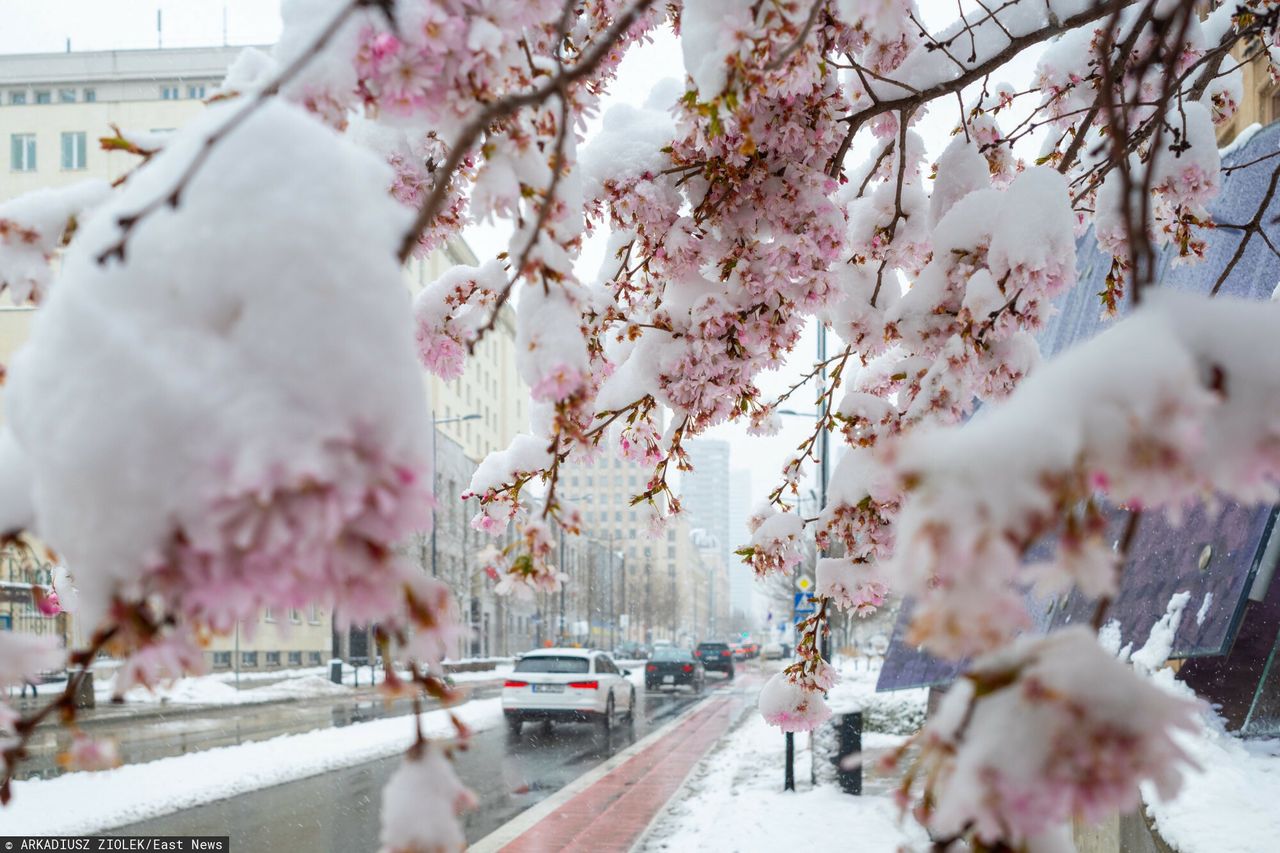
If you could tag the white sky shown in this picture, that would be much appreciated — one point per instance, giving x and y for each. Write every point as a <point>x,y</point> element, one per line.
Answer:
<point>30,26</point>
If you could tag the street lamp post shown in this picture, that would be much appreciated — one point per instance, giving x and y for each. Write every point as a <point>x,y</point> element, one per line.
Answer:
<point>789,781</point>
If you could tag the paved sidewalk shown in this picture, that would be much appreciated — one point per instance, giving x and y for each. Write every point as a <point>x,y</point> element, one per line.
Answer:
<point>613,812</point>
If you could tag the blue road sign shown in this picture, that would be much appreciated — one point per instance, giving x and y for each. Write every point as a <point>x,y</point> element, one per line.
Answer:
<point>803,606</point>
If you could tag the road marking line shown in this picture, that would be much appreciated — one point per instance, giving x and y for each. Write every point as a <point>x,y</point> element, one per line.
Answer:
<point>518,825</point>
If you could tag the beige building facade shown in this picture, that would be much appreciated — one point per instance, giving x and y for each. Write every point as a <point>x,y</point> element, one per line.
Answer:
<point>665,594</point>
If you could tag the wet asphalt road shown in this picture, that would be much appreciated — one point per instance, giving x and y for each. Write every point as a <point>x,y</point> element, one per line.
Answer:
<point>337,812</point>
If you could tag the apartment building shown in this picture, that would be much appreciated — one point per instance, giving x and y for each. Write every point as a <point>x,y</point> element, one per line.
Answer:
<point>657,574</point>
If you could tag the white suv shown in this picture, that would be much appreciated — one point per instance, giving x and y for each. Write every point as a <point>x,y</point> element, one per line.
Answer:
<point>567,685</point>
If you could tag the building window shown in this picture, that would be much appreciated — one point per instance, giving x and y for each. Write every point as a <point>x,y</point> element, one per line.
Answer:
<point>17,98</point>
<point>22,152</point>
<point>44,96</point>
<point>169,93</point>
<point>295,658</point>
<point>273,658</point>
<point>66,96</point>
<point>248,658</point>
<point>315,658</point>
<point>295,615</point>
<point>90,95</point>
<point>268,615</point>
<point>221,659</point>
<point>313,615</point>
<point>73,151</point>
<point>195,92</point>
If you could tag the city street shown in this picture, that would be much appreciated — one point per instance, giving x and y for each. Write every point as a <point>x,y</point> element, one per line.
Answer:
<point>338,811</point>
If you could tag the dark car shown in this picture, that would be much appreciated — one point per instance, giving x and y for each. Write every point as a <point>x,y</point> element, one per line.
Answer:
<point>672,667</point>
<point>716,656</point>
<point>631,651</point>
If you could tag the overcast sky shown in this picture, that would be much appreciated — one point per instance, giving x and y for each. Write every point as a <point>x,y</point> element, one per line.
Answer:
<point>47,25</point>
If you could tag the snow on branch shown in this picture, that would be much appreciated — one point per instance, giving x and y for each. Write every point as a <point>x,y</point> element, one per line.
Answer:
<point>1174,405</point>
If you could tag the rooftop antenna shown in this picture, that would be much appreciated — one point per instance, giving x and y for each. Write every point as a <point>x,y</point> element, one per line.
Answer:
<point>159,29</point>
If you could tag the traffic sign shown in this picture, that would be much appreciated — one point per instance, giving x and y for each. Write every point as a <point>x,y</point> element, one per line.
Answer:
<point>803,605</point>
<point>804,584</point>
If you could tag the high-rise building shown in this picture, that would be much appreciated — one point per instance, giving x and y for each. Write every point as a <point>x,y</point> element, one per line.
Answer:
<point>741,581</point>
<point>704,492</point>
<point>658,569</point>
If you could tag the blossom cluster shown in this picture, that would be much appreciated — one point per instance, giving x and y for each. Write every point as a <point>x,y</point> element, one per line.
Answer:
<point>1049,729</point>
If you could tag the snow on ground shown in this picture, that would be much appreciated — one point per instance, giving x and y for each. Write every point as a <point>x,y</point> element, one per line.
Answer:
<point>900,712</point>
<point>734,801</point>
<point>219,688</point>
<point>138,792</point>
<point>1231,806</point>
<point>204,690</point>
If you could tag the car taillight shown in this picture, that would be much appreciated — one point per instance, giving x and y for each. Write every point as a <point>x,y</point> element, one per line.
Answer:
<point>687,667</point>
<point>584,685</point>
<point>515,684</point>
<point>652,667</point>
<point>726,653</point>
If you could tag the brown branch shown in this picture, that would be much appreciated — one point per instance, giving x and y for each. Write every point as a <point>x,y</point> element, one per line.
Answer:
<point>1253,226</point>
<point>505,106</point>
<point>787,52</point>
<point>976,72</point>
<point>1122,549</point>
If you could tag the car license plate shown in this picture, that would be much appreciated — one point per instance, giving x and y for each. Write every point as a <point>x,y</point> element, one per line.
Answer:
<point>668,679</point>
<point>548,688</point>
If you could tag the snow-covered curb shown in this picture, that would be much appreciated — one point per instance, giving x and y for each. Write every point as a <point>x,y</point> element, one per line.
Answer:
<point>139,792</point>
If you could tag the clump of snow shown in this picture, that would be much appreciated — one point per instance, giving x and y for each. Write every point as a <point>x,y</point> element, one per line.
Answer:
<point>1049,728</point>
<point>850,585</point>
<point>1240,141</point>
<point>273,288</point>
<point>1159,643</point>
<point>422,802</point>
<point>775,542</point>
<point>1170,404</point>
<point>1204,608</point>
<point>32,227</point>
<point>708,40</point>
<point>210,690</point>
<point>791,706</point>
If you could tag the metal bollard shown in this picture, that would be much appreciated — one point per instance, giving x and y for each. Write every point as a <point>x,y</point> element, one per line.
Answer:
<point>850,732</point>
<point>789,775</point>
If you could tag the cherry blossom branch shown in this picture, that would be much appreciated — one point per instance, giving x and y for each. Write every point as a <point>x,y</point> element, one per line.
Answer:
<point>974,73</point>
<point>505,106</point>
